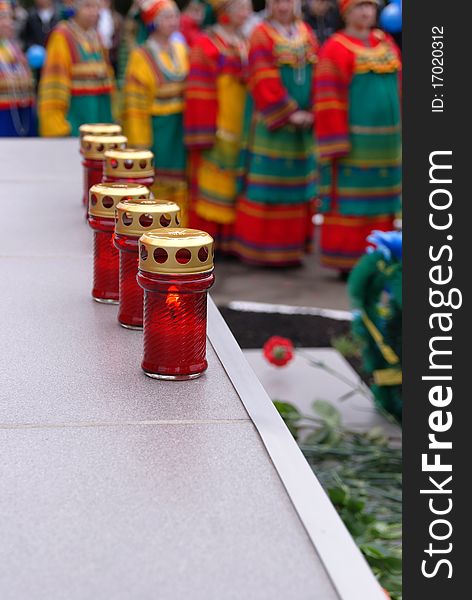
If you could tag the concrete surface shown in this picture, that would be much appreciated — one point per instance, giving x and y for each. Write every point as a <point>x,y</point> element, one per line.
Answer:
<point>145,512</point>
<point>115,486</point>
<point>308,285</point>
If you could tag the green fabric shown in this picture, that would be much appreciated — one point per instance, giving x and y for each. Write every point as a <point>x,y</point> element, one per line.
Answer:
<point>89,108</point>
<point>280,164</point>
<point>142,32</point>
<point>364,189</point>
<point>298,84</point>
<point>209,18</point>
<point>168,145</point>
<point>372,278</point>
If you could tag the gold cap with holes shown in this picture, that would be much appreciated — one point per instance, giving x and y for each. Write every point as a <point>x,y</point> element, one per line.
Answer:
<point>95,146</point>
<point>129,162</point>
<point>104,197</point>
<point>99,129</point>
<point>176,251</point>
<point>135,217</point>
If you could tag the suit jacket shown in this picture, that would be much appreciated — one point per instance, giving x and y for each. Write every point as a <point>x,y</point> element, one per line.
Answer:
<point>35,31</point>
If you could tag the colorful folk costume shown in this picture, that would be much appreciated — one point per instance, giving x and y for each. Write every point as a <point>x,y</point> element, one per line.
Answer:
<point>153,108</point>
<point>375,290</point>
<point>276,205</point>
<point>76,83</point>
<point>358,128</point>
<point>215,97</point>
<point>17,117</point>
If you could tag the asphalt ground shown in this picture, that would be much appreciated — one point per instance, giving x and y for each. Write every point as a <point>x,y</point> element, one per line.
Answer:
<point>308,285</point>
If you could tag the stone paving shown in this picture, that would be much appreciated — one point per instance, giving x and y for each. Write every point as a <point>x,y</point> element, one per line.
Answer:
<point>115,486</point>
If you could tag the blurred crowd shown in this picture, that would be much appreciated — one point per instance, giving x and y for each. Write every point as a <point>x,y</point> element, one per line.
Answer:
<point>257,119</point>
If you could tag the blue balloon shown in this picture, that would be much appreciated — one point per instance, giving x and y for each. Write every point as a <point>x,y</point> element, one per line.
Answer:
<point>391,18</point>
<point>36,56</point>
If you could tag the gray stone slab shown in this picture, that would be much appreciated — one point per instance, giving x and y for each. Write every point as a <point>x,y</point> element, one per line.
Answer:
<point>69,360</point>
<point>40,160</point>
<point>173,512</point>
<point>301,384</point>
<point>42,209</point>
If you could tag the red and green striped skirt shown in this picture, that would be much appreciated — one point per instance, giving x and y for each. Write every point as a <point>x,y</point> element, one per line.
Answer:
<point>343,239</point>
<point>273,234</point>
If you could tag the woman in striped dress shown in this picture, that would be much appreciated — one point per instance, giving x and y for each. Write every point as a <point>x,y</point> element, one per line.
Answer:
<point>275,208</point>
<point>17,116</point>
<point>215,97</point>
<point>77,79</point>
<point>153,100</point>
<point>359,134</point>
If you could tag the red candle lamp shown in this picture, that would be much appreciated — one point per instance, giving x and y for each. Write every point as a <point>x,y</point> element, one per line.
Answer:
<point>133,219</point>
<point>99,129</point>
<point>129,166</point>
<point>93,148</point>
<point>175,271</point>
<point>103,199</point>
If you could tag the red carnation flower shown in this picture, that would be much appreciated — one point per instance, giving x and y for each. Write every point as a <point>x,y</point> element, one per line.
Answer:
<point>278,350</point>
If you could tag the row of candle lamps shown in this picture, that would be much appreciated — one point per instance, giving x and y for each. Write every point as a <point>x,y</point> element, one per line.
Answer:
<point>158,272</point>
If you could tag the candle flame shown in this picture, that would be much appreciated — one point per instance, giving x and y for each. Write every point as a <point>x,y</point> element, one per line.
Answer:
<point>173,298</point>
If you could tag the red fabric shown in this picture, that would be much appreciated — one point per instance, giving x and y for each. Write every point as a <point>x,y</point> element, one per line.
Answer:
<point>190,29</point>
<point>201,95</point>
<point>273,235</point>
<point>345,5</point>
<point>151,8</point>
<point>334,73</point>
<point>332,79</point>
<point>343,239</point>
<point>270,95</point>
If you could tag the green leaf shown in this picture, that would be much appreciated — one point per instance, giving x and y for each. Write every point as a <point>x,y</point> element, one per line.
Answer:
<point>317,437</point>
<point>355,505</point>
<point>338,495</point>
<point>333,438</point>
<point>327,412</point>
<point>373,551</point>
<point>348,395</point>
<point>287,410</point>
<point>376,434</point>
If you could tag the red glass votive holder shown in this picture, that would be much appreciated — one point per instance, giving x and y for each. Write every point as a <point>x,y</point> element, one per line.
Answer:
<point>99,129</point>
<point>133,218</point>
<point>175,271</point>
<point>101,217</point>
<point>93,148</point>
<point>129,166</point>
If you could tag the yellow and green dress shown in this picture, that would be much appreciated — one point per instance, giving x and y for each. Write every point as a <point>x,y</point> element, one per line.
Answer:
<point>153,114</point>
<point>215,98</point>
<point>76,83</point>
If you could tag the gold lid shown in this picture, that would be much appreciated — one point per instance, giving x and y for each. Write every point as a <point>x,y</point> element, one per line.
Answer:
<point>183,251</point>
<point>104,197</point>
<point>129,162</point>
<point>99,129</point>
<point>135,217</point>
<point>95,146</point>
